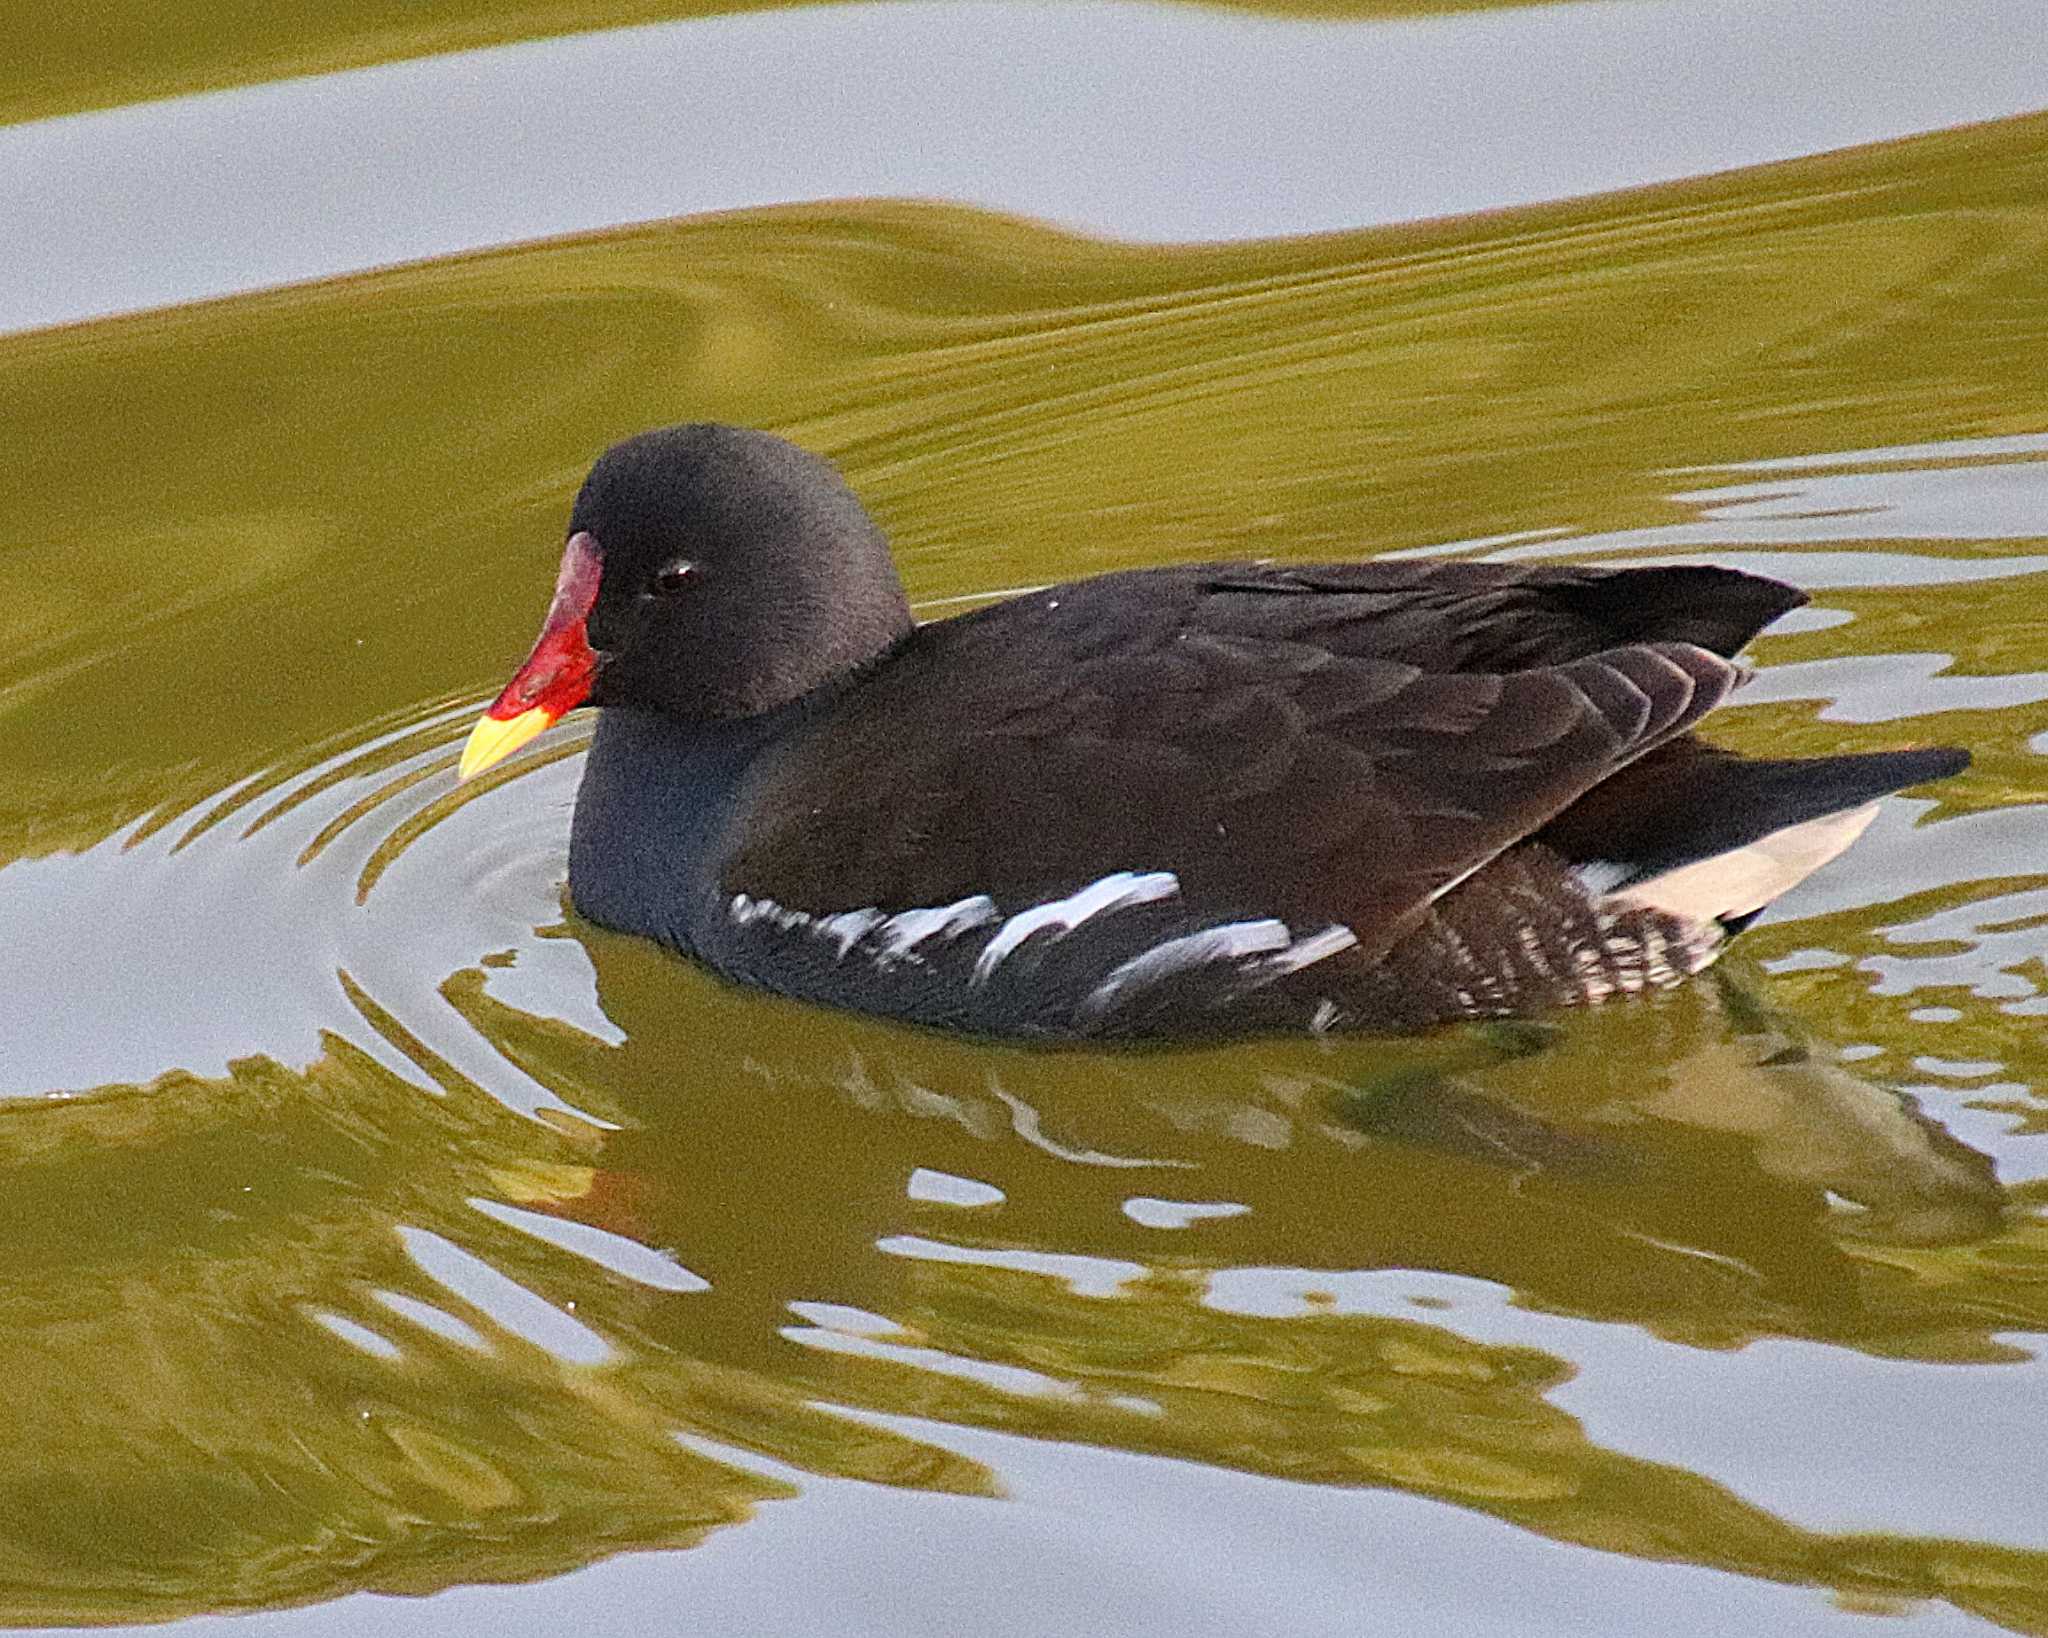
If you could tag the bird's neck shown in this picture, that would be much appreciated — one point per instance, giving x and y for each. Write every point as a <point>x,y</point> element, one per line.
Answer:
<point>652,813</point>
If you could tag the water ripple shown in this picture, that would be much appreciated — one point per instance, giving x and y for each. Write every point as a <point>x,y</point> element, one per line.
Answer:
<point>302,899</point>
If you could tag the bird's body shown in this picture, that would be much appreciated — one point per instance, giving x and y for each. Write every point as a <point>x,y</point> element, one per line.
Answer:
<point>1187,802</point>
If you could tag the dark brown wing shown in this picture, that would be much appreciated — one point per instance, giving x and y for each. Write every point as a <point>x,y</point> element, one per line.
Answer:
<point>1272,738</point>
<point>1456,616</point>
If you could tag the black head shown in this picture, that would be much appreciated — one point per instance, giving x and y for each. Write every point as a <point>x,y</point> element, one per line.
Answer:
<point>711,573</point>
<point>737,572</point>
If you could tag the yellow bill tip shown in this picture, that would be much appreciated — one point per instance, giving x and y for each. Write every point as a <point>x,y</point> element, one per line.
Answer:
<point>495,738</point>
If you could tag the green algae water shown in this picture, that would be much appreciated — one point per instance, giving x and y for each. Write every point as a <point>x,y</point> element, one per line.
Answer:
<point>372,1226</point>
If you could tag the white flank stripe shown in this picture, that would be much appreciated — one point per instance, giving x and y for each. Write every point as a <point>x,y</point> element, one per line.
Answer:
<point>849,927</point>
<point>1116,892</point>
<point>898,935</point>
<point>907,929</point>
<point>747,911</point>
<point>1332,940</point>
<point>1233,942</point>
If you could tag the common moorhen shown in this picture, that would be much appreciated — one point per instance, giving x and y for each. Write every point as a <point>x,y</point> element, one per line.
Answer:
<point>1209,800</point>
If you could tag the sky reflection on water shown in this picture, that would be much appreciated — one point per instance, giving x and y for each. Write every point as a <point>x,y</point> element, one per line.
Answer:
<point>1146,122</point>
<point>452,1270</point>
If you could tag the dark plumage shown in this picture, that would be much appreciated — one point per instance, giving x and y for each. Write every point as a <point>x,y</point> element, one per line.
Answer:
<point>1207,800</point>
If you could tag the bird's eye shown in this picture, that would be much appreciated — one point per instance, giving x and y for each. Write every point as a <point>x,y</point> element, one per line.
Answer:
<point>670,578</point>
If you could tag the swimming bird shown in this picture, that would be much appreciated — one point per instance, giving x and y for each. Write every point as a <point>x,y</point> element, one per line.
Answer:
<point>1208,800</point>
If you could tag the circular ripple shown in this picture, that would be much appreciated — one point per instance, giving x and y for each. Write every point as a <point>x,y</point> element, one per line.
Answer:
<point>333,896</point>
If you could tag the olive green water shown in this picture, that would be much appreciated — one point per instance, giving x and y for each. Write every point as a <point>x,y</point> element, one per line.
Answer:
<point>370,1223</point>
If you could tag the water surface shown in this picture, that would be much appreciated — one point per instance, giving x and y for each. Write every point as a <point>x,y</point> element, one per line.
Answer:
<point>373,1226</point>
<point>1147,121</point>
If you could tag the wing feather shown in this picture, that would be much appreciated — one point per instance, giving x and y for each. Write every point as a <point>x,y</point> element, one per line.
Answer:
<point>1274,772</point>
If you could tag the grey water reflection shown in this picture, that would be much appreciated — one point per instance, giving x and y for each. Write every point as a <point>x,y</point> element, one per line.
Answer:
<point>1967,490</point>
<point>1148,122</point>
<point>1250,1556</point>
<point>171,974</point>
<point>391,1231</point>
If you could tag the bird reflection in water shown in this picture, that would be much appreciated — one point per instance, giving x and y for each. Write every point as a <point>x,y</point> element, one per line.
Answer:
<point>1694,1163</point>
